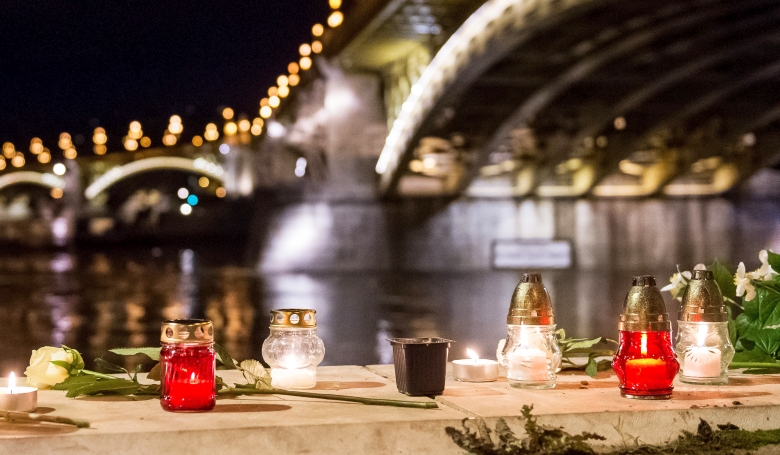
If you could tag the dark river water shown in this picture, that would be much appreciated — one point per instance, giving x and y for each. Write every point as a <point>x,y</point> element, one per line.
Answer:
<point>95,301</point>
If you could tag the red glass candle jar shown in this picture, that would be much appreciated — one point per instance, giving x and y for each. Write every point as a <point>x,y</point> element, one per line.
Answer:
<point>188,364</point>
<point>645,362</point>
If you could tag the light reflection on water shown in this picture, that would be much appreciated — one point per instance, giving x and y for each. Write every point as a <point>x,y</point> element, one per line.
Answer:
<point>98,301</point>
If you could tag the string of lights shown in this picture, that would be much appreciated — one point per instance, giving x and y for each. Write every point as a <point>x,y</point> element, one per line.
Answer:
<point>236,128</point>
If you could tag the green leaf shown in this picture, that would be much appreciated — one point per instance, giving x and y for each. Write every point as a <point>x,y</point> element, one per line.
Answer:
<point>152,353</point>
<point>63,364</point>
<point>109,367</point>
<point>752,356</point>
<point>584,344</point>
<point>767,300</point>
<point>78,360</point>
<point>774,260</point>
<point>725,279</point>
<point>155,373</point>
<point>75,381</point>
<point>592,367</point>
<point>105,386</point>
<point>224,358</point>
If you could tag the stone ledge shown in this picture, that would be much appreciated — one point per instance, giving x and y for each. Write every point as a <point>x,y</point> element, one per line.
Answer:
<point>292,425</point>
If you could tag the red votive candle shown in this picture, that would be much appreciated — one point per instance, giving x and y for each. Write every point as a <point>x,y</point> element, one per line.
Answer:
<point>645,362</point>
<point>188,363</point>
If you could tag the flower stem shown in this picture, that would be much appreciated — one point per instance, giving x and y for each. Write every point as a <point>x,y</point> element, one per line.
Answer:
<point>735,365</point>
<point>326,396</point>
<point>98,375</point>
<point>12,416</point>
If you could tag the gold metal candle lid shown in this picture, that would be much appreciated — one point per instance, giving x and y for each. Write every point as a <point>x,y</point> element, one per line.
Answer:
<point>187,331</point>
<point>291,319</point>
<point>531,303</point>
<point>702,300</point>
<point>644,309</point>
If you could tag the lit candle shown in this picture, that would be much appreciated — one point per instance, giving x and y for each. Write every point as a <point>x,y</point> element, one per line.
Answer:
<point>702,361</point>
<point>526,362</point>
<point>14,398</point>
<point>294,378</point>
<point>475,369</point>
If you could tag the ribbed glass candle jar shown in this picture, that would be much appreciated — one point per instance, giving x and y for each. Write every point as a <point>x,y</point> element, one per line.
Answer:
<point>188,366</point>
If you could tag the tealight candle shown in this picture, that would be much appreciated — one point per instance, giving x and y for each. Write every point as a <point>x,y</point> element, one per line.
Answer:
<point>293,378</point>
<point>14,398</point>
<point>475,369</point>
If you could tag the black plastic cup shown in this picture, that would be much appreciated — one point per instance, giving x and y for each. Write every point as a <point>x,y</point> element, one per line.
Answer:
<point>420,365</point>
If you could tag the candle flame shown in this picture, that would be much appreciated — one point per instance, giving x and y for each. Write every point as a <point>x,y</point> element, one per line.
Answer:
<point>644,343</point>
<point>11,382</point>
<point>193,379</point>
<point>474,356</point>
<point>523,337</point>
<point>701,335</point>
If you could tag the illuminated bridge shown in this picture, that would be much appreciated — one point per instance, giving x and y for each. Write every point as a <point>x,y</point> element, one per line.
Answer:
<point>512,98</point>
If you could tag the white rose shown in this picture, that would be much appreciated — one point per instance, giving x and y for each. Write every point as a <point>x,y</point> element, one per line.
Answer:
<point>42,373</point>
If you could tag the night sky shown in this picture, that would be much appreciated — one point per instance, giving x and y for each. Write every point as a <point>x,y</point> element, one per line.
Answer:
<point>73,65</point>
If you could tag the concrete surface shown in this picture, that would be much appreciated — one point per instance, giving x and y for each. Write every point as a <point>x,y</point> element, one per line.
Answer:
<point>290,425</point>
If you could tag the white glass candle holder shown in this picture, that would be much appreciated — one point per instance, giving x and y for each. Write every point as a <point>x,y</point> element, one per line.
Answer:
<point>704,351</point>
<point>531,356</point>
<point>293,350</point>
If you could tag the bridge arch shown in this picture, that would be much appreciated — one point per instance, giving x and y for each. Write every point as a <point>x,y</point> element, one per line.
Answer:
<point>198,166</point>
<point>35,178</point>
<point>509,67</point>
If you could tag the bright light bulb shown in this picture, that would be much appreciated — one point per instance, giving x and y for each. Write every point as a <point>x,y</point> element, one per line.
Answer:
<point>293,68</point>
<point>224,149</point>
<point>294,79</point>
<point>131,145</point>
<point>284,91</point>
<point>266,111</point>
<point>227,113</point>
<point>197,141</point>
<point>305,50</point>
<point>244,125</point>
<point>70,154</point>
<point>185,209</point>
<point>175,119</point>
<point>335,19</point>
<point>273,91</point>
<point>175,128</point>
<point>56,193</point>
<point>59,169</point>
<point>203,182</point>
<point>316,47</point>
<point>317,30</point>
<point>256,130</point>
<point>274,101</point>
<point>305,63</point>
<point>281,81</point>
<point>230,128</point>
<point>221,192</point>
<point>2,163</point>
<point>135,126</point>
<point>183,193</point>
<point>146,141</point>
<point>18,160</point>
<point>44,158</point>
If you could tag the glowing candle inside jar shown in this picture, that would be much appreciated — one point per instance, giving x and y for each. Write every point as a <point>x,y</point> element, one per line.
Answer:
<point>527,363</point>
<point>15,398</point>
<point>475,369</point>
<point>702,361</point>
<point>646,373</point>
<point>299,378</point>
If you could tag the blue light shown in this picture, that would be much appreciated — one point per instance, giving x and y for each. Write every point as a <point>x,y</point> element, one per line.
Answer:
<point>192,199</point>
